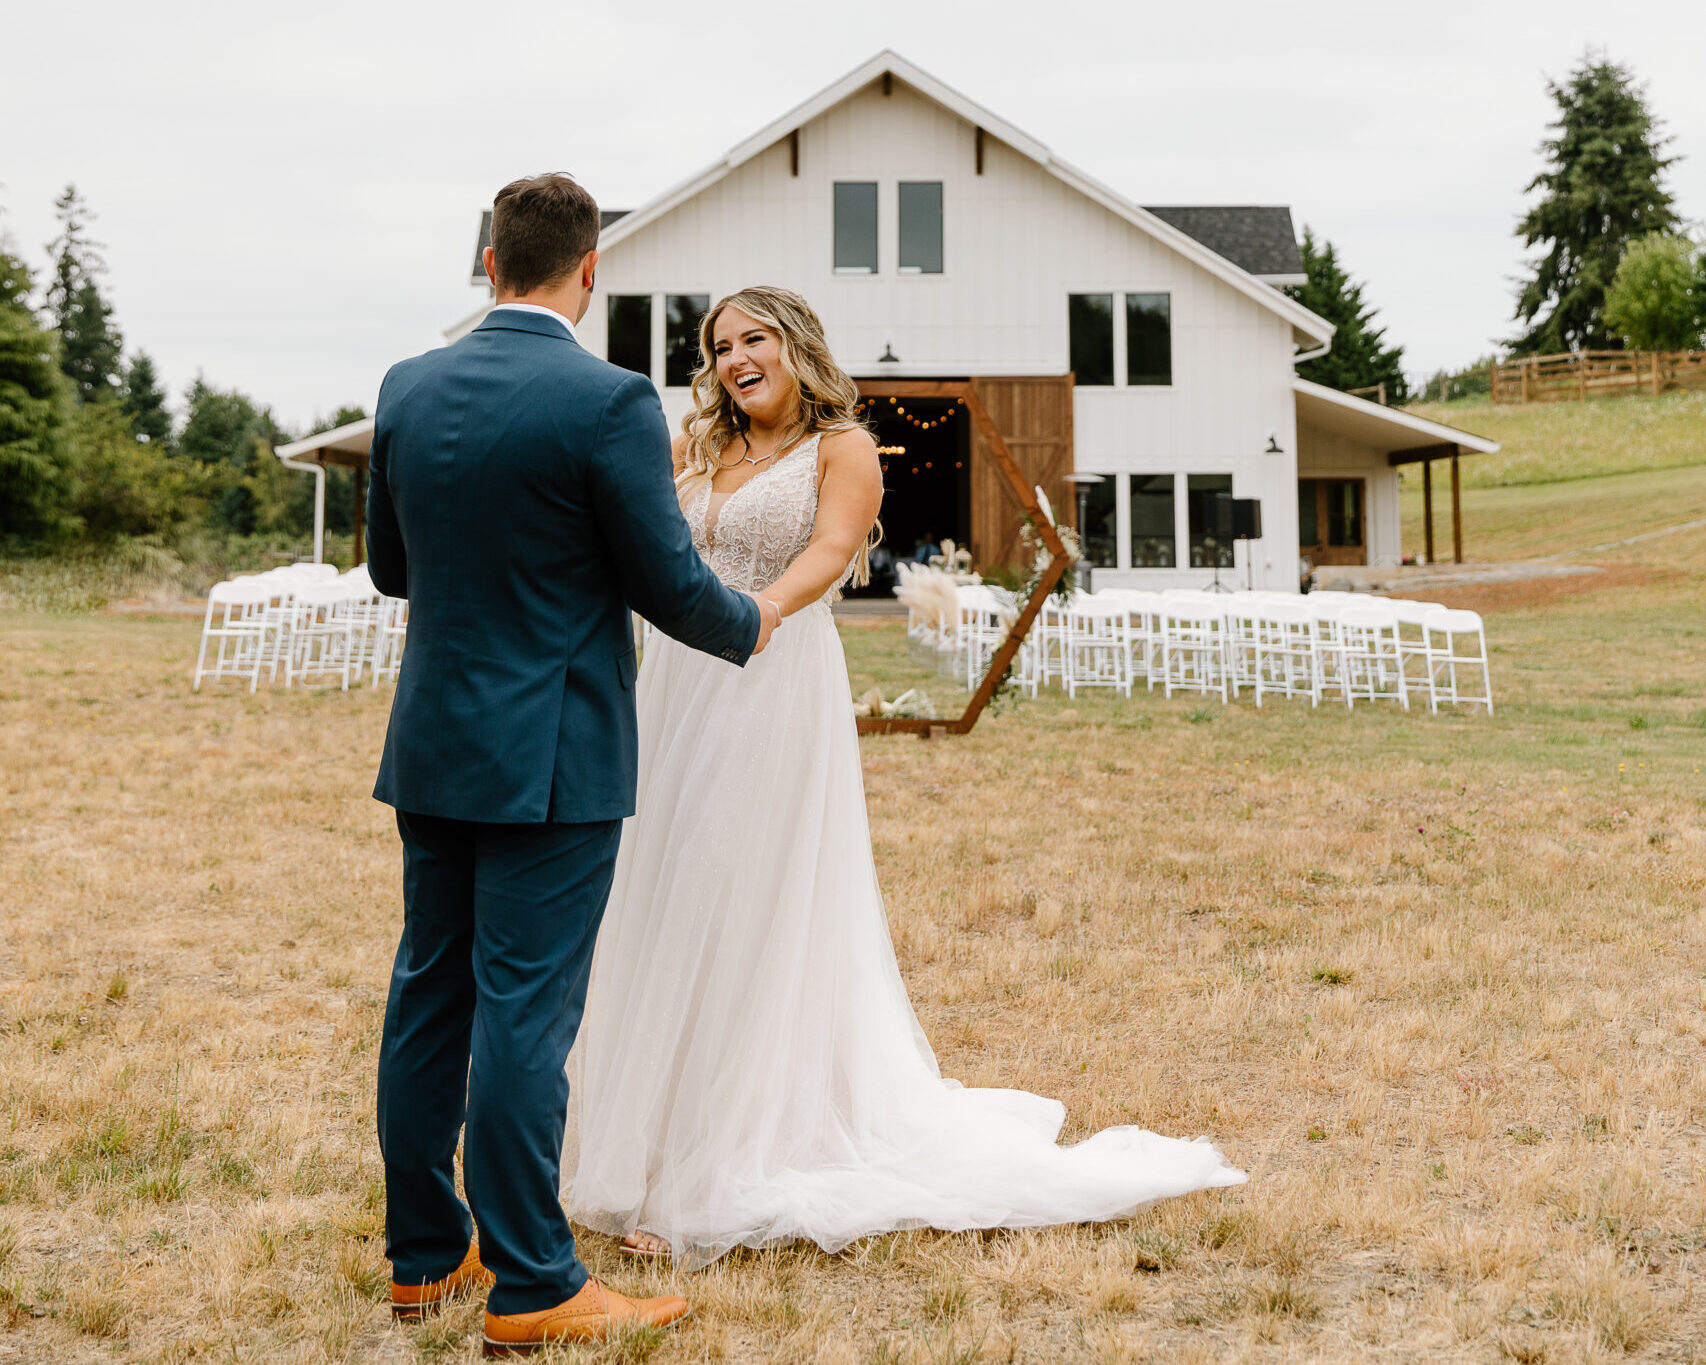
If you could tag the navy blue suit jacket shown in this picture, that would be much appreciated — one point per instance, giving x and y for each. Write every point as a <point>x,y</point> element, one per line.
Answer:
<point>521,499</point>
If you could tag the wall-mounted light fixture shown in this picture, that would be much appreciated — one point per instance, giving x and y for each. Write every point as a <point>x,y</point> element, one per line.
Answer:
<point>1273,447</point>
<point>888,357</point>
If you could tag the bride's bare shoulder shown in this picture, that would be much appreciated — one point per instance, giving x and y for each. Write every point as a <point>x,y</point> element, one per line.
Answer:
<point>847,445</point>
<point>678,451</point>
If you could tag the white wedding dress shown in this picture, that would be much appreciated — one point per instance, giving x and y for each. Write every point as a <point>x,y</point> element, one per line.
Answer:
<point>749,1069</point>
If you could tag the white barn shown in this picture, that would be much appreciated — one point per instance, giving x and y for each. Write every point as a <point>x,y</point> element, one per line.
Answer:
<point>943,247</point>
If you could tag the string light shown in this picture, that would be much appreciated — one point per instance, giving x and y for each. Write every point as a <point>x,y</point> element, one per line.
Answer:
<point>912,418</point>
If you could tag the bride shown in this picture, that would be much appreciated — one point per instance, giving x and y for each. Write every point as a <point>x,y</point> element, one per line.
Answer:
<point>749,1068</point>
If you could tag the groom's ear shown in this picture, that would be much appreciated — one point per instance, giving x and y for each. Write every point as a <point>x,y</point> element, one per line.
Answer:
<point>487,257</point>
<point>589,268</point>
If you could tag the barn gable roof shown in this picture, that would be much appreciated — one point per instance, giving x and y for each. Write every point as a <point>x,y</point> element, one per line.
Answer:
<point>1254,237</point>
<point>1237,230</point>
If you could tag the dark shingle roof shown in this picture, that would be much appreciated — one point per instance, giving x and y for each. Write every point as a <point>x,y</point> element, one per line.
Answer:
<point>1257,238</point>
<point>478,276</point>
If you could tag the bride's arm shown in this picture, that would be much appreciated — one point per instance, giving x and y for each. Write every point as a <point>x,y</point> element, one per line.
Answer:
<point>850,495</point>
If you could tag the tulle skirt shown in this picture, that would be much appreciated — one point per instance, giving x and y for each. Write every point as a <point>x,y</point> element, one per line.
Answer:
<point>749,1069</point>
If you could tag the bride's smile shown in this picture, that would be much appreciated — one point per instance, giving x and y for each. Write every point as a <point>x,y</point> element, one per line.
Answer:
<point>749,366</point>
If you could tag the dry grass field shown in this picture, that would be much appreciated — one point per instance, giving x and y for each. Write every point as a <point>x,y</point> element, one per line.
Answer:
<point>1438,984</point>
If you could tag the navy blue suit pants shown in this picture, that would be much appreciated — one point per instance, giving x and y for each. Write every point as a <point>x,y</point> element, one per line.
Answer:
<point>486,996</point>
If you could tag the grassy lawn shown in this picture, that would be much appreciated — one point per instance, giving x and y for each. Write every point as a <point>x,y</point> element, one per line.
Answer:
<point>1546,442</point>
<point>1435,982</point>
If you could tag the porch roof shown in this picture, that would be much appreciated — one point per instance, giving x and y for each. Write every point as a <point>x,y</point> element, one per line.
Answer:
<point>1405,436</point>
<point>346,445</point>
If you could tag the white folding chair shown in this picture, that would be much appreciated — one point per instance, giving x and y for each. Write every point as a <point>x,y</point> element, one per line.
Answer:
<point>236,624</point>
<point>1413,650</point>
<point>1457,645</point>
<point>366,609</point>
<point>1373,668</point>
<point>1324,609</point>
<point>1046,659</point>
<point>1193,644</point>
<point>1143,641</point>
<point>393,631</point>
<point>1097,644</point>
<point>1285,651</point>
<point>322,635</point>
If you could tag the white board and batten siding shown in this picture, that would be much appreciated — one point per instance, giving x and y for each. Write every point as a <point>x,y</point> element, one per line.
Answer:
<point>1017,240</point>
<point>1335,455</point>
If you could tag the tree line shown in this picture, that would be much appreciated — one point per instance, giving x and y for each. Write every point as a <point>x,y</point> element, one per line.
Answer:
<point>89,450</point>
<point>1613,266</point>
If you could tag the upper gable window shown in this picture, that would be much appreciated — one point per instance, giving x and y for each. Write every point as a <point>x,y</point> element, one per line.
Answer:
<point>856,227</point>
<point>681,314</point>
<point>1148,339</point>
<point>1090,338</point>
<point>921,227</point>
<point>629,339</point>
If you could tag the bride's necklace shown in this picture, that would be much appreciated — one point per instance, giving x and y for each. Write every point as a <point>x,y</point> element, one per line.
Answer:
<point>748,458</point>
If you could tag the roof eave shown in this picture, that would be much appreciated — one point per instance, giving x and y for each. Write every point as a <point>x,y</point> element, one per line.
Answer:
<point>1422,426</point>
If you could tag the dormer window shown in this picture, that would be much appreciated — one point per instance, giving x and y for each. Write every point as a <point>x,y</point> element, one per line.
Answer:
<point>856,227</point>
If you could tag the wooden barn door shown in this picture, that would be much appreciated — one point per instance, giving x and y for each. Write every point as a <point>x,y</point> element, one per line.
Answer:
<point>1034,416</point>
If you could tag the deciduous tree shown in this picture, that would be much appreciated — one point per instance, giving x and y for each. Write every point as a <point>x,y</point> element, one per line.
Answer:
<point>1657,299</point>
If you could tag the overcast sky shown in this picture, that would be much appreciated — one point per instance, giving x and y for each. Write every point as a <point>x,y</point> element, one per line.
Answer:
<point>289,195</point>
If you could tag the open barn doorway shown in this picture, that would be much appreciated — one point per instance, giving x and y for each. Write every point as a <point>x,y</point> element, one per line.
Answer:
<point>925,447</point>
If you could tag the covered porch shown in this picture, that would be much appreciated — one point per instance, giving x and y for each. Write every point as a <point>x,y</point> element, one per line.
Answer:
<point>345,446</point>
<point>1349,452</point>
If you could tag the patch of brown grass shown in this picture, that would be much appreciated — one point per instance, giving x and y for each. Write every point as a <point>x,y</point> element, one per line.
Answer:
<point>1435,982</point>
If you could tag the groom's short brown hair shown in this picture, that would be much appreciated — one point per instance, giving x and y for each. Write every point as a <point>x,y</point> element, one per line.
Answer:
<point>542,227</point>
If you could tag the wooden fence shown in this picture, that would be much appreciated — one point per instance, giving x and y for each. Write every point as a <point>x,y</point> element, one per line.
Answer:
<point>1596,374</point>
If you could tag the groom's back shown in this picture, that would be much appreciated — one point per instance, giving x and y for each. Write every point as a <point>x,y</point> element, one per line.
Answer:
<point>519,635</point>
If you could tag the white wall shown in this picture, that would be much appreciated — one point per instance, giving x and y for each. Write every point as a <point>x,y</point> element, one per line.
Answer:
<point>1016,242</point>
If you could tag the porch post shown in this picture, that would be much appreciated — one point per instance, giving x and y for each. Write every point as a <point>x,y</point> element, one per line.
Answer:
<point>360,484</point>
<point>1456,510</point>
<point>1428,509</point>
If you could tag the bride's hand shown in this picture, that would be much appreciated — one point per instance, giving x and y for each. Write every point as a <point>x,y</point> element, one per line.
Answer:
<point>769,617</point>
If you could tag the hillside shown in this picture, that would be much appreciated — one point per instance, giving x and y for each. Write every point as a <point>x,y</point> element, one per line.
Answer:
<point>1570,476</point>
<point>1549,442</point>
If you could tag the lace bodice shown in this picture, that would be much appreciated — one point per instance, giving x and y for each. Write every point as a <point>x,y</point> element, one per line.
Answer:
<point>763,525</point>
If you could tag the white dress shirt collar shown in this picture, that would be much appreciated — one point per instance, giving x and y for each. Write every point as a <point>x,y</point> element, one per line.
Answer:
<point>539,308</point>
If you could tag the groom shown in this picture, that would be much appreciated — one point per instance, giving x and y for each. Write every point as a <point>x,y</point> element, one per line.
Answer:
<point>521,500</point>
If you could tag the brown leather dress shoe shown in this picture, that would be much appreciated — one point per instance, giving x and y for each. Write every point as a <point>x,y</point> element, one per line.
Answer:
<point>590,1316</point>
<point>412,1301</point>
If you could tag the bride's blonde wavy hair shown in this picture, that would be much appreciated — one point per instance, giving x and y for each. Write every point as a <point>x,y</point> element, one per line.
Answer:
<point>828,401</point>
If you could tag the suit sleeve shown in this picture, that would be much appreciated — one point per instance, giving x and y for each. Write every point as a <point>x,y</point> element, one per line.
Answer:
<point>387,562</point>
<point>662,574</point>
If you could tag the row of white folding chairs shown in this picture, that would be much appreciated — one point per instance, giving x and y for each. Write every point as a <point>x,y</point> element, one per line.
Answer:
<point>1359,646</point>
<point>306,619</point>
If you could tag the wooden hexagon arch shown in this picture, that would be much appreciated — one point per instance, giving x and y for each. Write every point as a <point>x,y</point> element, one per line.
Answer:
<point>966,392</point>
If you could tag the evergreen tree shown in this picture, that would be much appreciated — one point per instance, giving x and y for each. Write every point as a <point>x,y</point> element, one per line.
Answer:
<point>144,403</point>
<point>1599,191</point>
<point>91,351</point>
<point>1357,359</point>
<point>34,480</point>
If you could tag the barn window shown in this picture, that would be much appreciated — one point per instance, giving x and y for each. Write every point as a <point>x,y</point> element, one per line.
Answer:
<point>629,343</point>
<point>1100,535</point>
<point>1148,339</point>
<point>921,227</point>
<point>856,227</point>
<point>1154,544</point>
<point>681,314</point>
<point>1211,542</point>
<point>1090,324</point>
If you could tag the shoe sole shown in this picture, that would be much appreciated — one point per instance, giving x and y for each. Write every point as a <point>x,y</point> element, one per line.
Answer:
<point>506,1350</point>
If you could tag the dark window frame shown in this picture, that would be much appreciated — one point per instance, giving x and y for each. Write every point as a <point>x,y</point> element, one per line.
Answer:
<point>939,250</point>
<point>838,243</point>
<point>1153,549</point>
<point>1101,544</point>
<point>1206,549</point>
<point>1147,345</point>
<point>1091,363</point>
<point>681,343</point>
<point>622,349</point>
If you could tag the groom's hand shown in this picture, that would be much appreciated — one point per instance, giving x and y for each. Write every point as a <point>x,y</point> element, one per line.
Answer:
<point>769,617</point>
